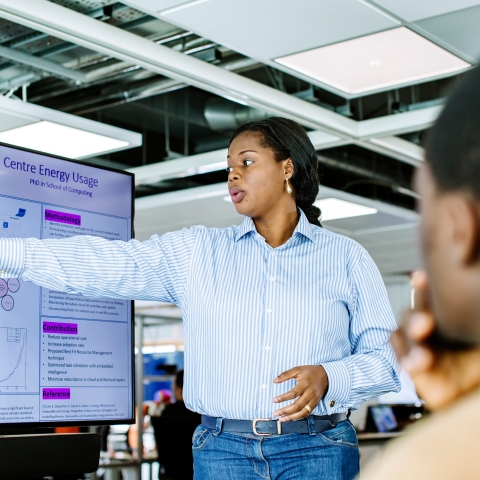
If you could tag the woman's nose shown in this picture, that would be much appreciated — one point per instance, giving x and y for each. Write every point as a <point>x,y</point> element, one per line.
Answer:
<point>233,175</point>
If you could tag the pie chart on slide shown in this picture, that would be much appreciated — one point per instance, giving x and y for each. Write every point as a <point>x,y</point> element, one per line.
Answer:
<point>7,303</point>
<point>11,285</point>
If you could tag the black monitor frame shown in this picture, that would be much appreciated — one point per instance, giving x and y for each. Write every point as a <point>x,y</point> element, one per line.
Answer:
<point>86,423</point>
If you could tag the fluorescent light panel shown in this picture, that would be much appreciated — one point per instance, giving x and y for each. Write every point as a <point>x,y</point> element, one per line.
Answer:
<point>334,209</point>
<point>373,62</point>
<point>61,140</point>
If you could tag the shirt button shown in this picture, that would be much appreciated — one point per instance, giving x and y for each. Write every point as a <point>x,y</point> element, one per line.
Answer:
<point>269,310</point>
<point>267,348</point>
<point>264,386</point>
<point>332,403</point>
<point>272,279</point>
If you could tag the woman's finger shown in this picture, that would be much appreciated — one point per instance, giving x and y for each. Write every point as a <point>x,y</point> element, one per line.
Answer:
<point>297,409</point>
<point>290,395</point>
<point>287,375</point>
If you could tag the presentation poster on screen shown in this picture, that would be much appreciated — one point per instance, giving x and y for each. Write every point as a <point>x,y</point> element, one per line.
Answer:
<point>63,357</point>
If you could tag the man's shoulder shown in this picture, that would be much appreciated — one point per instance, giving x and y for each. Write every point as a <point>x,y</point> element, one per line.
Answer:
<point>442,447</point>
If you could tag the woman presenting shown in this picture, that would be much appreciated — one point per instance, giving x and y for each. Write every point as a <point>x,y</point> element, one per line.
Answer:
<point>286,323</point>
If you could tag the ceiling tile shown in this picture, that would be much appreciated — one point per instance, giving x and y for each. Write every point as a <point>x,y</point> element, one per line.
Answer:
<point>413,10</point>
<point>460,29</point>
<point>374,62</point>
<point>263,31</point>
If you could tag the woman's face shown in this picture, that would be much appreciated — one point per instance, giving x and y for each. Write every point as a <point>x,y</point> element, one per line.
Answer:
<point>256,181</point>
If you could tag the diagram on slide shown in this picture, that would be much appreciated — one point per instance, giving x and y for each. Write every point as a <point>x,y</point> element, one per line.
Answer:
<point>12,285</point>
<point>13,367</point>
<point>10,224</point>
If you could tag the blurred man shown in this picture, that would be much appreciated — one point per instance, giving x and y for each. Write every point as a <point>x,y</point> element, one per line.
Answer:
<point>440,338</point>
<point>173,434</point>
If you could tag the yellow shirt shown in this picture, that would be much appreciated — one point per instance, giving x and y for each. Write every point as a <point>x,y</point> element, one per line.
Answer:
<point>446,446</point>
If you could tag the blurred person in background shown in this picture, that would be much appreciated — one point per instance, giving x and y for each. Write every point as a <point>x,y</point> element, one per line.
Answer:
<point>178,408</point>
<point>173,434</point>
<point>439,341</point>
<point>161,399</point>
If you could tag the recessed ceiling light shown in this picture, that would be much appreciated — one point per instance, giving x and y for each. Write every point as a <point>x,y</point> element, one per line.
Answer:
<point>399,56</point>
<point>334,209</point>
<point>60,140</point>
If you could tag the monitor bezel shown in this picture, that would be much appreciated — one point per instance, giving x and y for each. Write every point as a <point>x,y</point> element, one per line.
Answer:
<point>89,423</point>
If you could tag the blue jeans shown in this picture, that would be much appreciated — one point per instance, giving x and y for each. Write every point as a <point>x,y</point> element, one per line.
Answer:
<point>331,455</point>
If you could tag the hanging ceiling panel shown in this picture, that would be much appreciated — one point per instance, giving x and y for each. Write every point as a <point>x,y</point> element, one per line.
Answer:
<point>413,10</point>
<point>261,30</point>
<point>459,29</point>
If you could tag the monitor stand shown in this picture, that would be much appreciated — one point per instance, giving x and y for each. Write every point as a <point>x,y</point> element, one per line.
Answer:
<point>24,456</point>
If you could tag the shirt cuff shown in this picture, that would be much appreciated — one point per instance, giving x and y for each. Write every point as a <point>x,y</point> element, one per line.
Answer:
<point>339,386</point>
<point>12,257</point>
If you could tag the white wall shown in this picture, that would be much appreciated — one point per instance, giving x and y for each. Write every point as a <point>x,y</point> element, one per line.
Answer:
<point>399,293</point>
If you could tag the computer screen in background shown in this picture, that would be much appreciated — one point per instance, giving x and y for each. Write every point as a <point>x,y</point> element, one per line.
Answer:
<point>64,359</point>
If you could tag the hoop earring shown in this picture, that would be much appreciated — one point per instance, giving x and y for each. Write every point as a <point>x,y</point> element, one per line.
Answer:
<point>289,188</point>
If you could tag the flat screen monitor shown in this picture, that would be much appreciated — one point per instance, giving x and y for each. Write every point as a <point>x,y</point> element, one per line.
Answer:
<point>64,359</point>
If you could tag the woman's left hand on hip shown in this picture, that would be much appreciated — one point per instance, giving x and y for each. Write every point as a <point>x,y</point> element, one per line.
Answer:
<point>312,384</point>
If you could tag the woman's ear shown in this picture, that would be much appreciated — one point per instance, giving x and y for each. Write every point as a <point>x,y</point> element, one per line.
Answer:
<point>288,167</point>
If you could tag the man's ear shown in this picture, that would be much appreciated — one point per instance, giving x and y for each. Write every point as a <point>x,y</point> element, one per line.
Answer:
<point>289,167</point>
<point>464,215</point>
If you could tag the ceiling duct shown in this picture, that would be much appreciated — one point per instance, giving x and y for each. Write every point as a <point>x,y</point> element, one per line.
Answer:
<point>222,115</point>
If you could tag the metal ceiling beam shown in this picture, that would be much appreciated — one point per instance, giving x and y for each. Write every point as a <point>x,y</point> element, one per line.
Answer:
<point>398,124</point>
<point>82,30</point>
<point>42,64</point>
<point>403,150</point>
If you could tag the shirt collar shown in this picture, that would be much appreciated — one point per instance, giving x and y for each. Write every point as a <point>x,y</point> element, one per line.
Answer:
<point>303,227</point>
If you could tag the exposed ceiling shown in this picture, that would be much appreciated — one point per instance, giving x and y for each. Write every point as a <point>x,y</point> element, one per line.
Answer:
<point>184,74</point>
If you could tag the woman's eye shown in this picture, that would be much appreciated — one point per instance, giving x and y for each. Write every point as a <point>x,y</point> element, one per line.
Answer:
<point>229,170</point>
<point>247,162</point>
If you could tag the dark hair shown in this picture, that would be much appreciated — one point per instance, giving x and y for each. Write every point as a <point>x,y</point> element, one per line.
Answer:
<point>179,379</point>
<point>288,139</point>
<point>453,144</point>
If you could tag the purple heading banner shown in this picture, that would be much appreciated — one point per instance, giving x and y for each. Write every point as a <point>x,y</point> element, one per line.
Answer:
<point>62,217</point>
<point>63,328</point>
<point>56,393</point>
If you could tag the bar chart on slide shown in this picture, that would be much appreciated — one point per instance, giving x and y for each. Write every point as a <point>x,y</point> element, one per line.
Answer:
<point>13,370</point>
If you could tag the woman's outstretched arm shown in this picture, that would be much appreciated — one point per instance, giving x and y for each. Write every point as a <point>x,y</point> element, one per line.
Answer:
<point>156,269</point>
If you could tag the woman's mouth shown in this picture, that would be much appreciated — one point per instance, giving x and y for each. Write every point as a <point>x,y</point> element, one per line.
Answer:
<point>236,194</point>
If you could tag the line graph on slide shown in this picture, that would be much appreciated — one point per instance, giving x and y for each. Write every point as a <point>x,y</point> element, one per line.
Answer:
<point>13,358</point>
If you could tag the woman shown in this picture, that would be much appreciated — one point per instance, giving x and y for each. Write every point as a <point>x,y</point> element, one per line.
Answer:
<point>283,320</point>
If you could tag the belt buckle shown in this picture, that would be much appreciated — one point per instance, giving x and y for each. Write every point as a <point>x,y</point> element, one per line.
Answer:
<point>254,427</point>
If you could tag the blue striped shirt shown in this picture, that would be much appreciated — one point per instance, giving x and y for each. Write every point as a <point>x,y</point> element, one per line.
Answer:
<point>250,311</point>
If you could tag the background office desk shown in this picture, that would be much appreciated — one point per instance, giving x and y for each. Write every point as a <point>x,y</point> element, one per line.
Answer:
<point>111,468</point>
